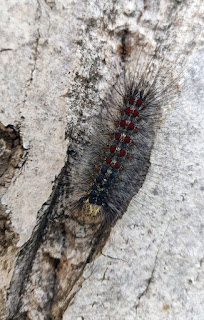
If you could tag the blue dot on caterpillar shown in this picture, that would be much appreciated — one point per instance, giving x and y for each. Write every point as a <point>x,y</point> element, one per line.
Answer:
<point>116,154</point>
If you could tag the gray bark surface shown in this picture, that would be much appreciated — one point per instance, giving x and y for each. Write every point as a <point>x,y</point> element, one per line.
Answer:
<point>55,60</point>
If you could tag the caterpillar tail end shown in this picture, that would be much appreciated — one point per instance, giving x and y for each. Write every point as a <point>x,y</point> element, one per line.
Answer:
<point>90,209</point>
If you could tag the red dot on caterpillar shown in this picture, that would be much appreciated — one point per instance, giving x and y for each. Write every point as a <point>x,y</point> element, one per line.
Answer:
<point>127,110</point>
<point>117,135</point>
<point>127,139</point>
<point>117,165</point>
<point>122,123</point>
<point>139,102</point>
<point>112,148</point>
<point>122,152</point>
<point>131,126</point>
<point>135,113</point>
<point>108,160</point>
<point>131,100</point>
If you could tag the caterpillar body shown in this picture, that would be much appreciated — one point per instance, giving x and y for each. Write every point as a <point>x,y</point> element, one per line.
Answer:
<point>116,153</point>
<point>121,144</point>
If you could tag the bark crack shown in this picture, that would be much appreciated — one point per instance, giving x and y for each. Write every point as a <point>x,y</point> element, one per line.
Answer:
<point>113,258</point>
<point>36,50</point>
<point>149,281</point>
<point>5,49</point>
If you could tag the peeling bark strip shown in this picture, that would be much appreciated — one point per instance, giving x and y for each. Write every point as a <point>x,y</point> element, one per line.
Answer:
<point>11,152</point>
<point>54,258</point>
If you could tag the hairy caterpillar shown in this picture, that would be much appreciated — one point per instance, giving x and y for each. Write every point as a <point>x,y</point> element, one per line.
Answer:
<point>117,158</point>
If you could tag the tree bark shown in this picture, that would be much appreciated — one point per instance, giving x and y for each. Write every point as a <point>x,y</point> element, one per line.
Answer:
<point>55,59</point>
